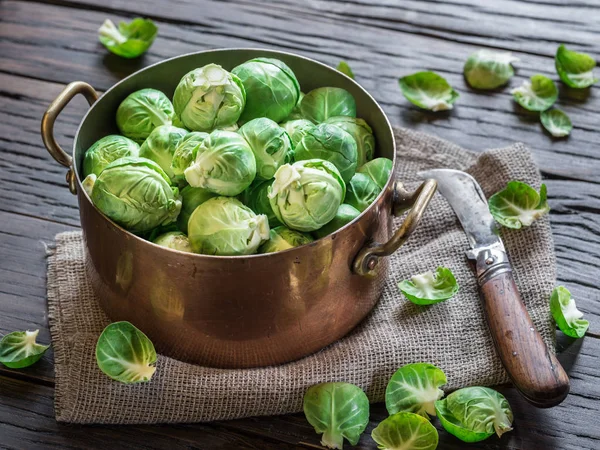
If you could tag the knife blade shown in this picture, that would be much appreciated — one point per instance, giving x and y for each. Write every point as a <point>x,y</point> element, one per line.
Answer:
<point>532,367</point>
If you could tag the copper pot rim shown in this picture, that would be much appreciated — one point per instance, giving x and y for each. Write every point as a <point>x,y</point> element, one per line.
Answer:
<point>333,235</point>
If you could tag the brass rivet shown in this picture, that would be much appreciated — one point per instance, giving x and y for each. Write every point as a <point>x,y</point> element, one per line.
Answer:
<point>372,263</point>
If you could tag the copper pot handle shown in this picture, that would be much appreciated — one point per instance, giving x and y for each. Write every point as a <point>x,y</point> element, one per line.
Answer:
<point>55,108</point>
<point>368,257</point>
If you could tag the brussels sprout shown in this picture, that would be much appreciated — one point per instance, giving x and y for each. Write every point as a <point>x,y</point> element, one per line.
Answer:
<point>186,151</point>
<point>379,170</point>
<point>361,191</point>
<point>272,89</point>
<point>282,238</point>
<point>322,103</point>
<point>428,90</point>
<point>270,144</point>
<point>537,94</point>
<point>473,414</point>
<point>159,231</point>
<point>344,67</point>
<point>143,111</point>
<point>415,388</point>
<point>137,194</point>
<point>565,313</point>
<point>232,127</point>
<point>19,349</point>
<point>406,431</point>
<point>306,195</point>
<point>486,69</point>
<point>297,129</point>
<point>88,184</point>
<point>330,143</point>
<point>107,150</point>
<point>160,146</point>
<point>296,113</point>
<point>191,198</point>
<point>428,289</point>
<point>257,199</point>
<point>556,122</point>
<point>125,354</point>
<point>225,226</point>
<point>209,97</point>
<point>130,40</point>
<point>575,69</point>
<point>344,215</point>
<point>337,410</point>
<point>362,134</point>
<point>518,205</point>
<point>224,164</point>
<point>175,240</point>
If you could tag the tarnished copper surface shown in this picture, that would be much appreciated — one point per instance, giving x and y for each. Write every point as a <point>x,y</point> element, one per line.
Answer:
<point>236,311</point>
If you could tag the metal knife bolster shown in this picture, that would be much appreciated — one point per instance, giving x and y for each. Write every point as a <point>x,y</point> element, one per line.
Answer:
<point>490,261</point>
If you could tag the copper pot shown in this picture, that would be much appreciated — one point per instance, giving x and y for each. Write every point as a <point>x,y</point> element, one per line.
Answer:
<point>243,311</point>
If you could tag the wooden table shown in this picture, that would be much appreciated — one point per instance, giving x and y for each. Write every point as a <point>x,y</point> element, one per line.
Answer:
<point>48,43</point>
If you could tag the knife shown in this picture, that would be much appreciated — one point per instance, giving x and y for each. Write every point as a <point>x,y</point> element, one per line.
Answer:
<point>532,367</point>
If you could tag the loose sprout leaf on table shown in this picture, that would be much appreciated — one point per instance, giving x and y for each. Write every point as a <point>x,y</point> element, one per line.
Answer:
<point>556,122</point>
<point>129,40</point>
<point>405,431</point>
<point>486,69</point>
<point>518,205</point>
<point>337,410</point>
<point>428,90</point>
<point>474,413</point>
<point>125,354</point>
<point>575,69</point>
<point>429,288</point>
<point>19,349</point>
<point>345,69</point>
<point>565,313</point>
<point>536,94</point>
<point>415,388</point>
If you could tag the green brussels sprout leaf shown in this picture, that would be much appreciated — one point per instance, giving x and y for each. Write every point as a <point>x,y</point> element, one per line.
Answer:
<point>186,151</point>
<point>125,354</point>
<point>143,111</point>
<point>362,134</point>
<point>565,313</point>
<point>361,191</point>
<point>556,122</point>
<point>405,431</point>
<point>518,205</point>
<point>428,90</point>
<point>344,67</point>
<point>19,349</point>
<point>379,170</point>
<point>106,150</point>
<point>256,197</point>
<point>337,411</point>
<point>306,195</point>
<point>428,289</point>
<point>486,69</point>
<point>208,98</point>
<point>191,198</point>
<point>322,103</point>
<point>130,40</point>
<point>282,238</point>
<point>575,69</point>
<point>88,184</point>
<point>175,240</point>
<point>224,164</point>
<point>225,226</point>
<point>473,414</point>
<point>536,94</point>
<point>296,113</point>
<point>344,215</point>
<point>270,144</point>
<point>415,388</point>
<point>297,129</point>
<point>160,146</point>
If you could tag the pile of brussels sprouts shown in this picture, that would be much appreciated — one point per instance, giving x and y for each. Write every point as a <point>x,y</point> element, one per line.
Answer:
<point>240,162</point>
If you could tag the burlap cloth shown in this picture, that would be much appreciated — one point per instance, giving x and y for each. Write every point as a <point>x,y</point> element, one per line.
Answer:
<point>451,335</point>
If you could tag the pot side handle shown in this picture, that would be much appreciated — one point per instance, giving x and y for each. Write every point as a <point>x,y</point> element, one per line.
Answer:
<point>368,257</point>
<point>55,108</point>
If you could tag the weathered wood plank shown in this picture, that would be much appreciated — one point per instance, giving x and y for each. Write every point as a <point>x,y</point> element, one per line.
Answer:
<point>378,56</point>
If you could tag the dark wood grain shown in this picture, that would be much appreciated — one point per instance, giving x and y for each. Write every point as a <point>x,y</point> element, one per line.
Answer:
<point>49,43</point>
<point>532,368</point>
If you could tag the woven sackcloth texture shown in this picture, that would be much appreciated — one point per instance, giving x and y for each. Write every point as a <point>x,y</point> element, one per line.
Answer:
<point>451,335</point>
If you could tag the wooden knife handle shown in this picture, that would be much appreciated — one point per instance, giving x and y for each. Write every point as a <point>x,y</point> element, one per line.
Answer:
<point>532,367</point>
